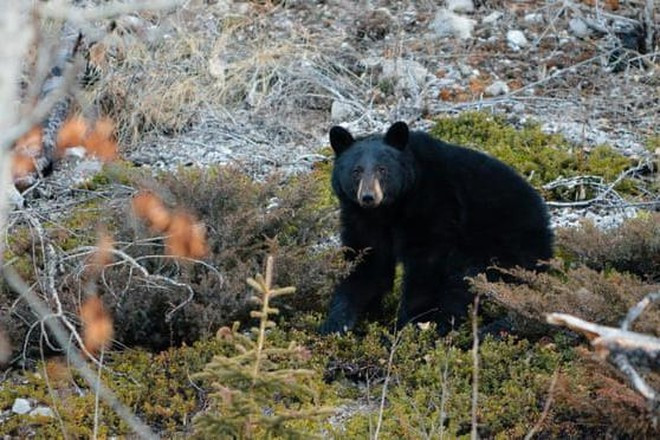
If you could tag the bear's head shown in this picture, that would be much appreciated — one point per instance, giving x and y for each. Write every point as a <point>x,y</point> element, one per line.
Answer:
<point>372,171</point>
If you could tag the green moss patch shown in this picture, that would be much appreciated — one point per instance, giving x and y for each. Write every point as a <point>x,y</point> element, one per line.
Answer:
<point>539,156</point>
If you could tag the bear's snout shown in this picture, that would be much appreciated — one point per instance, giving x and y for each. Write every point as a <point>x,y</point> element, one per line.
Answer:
<point>370,192</point>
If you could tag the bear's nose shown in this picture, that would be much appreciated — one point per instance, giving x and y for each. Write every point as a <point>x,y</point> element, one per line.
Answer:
<point>368,199</point>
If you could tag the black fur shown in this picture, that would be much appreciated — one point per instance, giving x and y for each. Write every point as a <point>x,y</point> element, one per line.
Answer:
<point>447,212</point>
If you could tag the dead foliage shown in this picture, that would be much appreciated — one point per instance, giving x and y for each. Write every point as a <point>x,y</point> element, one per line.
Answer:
<point>632,247</point>
<point>26,149</point>
<point>601,395</point>
<point>598,276</point>
<point>97,324</point>
<point>600,297</point>
<point>97,139</point>
<point>5,348</point>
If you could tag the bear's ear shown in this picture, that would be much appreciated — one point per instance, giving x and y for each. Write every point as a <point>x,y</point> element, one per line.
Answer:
<point>397,135</point>
<point>340,139</point>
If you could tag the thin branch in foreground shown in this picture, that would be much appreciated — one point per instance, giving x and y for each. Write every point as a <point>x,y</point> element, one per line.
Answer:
<point>546,407</point>
<point>475,368</point>
<point>62,337</point>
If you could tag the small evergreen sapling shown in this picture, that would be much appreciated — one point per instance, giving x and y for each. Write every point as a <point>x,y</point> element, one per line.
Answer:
<point>254,395</point>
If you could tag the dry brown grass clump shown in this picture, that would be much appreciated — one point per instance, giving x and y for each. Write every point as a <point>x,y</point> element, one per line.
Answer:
<point>163,72</point>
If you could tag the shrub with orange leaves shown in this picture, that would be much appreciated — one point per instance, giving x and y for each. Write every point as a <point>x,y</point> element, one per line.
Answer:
<point>97,324</point>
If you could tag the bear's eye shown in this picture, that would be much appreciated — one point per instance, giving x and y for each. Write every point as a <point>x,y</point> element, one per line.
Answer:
<point>357,172</point>
<point>381,170</point>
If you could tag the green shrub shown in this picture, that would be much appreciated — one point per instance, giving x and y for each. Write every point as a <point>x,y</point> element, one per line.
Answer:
<point>539,156</point>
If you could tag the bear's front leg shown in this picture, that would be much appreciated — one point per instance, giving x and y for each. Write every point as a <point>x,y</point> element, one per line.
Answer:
<point>369,280</point>
<point>435,289</point>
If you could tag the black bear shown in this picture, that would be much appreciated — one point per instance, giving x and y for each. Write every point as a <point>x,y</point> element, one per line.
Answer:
<point>444,211</point>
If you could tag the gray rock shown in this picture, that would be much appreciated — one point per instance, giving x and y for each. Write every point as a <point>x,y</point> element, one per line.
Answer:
<point>533,18</point>
<point>448,24</point>
<point>408,74</point>
<point>579,28</point>
<point>21,406</point>
<point>516,39</point>
<point>42,411</point>
<point>492,17</point>
<point>497,88</point>
<point>341,111</point>
<point>460,5</point>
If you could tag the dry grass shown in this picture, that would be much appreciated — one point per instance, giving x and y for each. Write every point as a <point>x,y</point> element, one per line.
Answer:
<point>201,61</point>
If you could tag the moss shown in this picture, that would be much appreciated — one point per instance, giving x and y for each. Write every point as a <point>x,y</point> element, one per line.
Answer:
<point>539,156</point>
<point>156,386</point>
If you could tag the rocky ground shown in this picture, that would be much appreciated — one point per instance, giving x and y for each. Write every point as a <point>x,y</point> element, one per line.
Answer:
<point>258,84</point>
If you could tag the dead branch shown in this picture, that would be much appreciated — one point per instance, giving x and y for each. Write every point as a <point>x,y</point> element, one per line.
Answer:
<point>649,26</point>
<point>605,193</point>
<point>620,345</point>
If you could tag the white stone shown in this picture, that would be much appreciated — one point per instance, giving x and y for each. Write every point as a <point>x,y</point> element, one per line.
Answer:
<point>492,17</point>
<point>460,5</point>
<point>497,88</point>
<point>448,24</point>
<point>408,74</point>
<point>516,39</point>
<point>21,406</point>
<point>15,199</point>
<point>341,111</point>
<point>578,27</point>
<point>42,411</point>
<point>533,18</point>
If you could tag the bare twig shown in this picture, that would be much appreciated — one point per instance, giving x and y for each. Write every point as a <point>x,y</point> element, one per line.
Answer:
<point>475,368</point>
<point>383,394</point>
<point>605,192</point>
<point>649,25</point>
<point>638,308</point>
<point>86,250</point>
<point>546,407</point>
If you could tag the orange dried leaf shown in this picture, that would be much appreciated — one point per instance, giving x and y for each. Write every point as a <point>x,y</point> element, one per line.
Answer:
<point>476,86</point>
<point>30,143</point>
<point>198,247</point>
<point>72,134</point>
<point>445,95</point>
<point>150,208</point>
<point>99,142</point>
<point>103,255</point>
<point>97,324</point>
<point>21,165</point>
<point>179,235</point>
